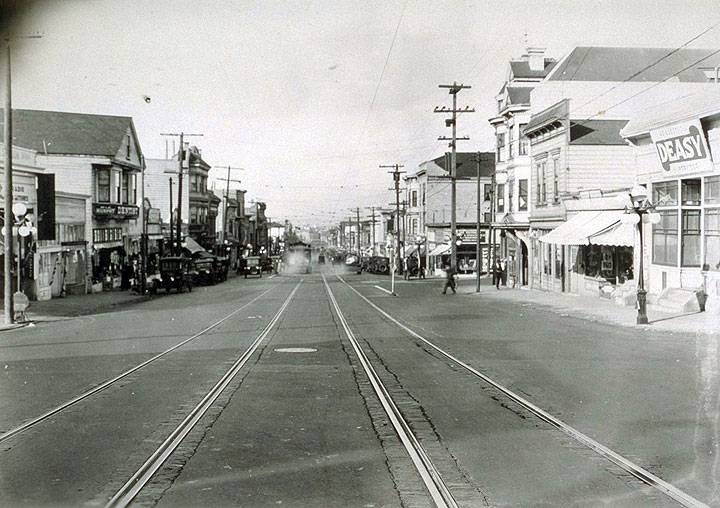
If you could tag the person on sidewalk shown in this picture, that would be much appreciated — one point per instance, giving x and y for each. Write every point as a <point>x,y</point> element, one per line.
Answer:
<point>497,273</point>
<point>449,279</point>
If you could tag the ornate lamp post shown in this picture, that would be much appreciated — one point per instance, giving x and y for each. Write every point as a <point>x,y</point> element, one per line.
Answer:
<point>638,208</point>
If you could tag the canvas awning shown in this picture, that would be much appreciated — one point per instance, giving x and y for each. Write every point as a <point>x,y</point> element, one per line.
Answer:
<point>440,249</point>
<point>599,227</point>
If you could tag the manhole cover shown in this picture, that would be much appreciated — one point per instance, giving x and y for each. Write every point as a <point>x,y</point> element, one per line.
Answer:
<point>296,350</point>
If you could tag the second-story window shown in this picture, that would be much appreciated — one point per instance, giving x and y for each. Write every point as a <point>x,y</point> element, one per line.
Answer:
<point>117,186</point>
<point>522,195</point>
<point>133,186</point>
<point>511,186</point>
<point>194,183</point>
<point>511,153</point>
<point>413,199</point>
<point>193,215</point>
<point>556,190</point>
<point>500,198</point>
<point>500,146</point>
<point>127,148</point>
<point>125,178</point>
<point>103,185</point>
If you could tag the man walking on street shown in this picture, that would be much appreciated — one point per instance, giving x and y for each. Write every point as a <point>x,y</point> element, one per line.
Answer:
<point>497,273</point>
<point>449,279</point>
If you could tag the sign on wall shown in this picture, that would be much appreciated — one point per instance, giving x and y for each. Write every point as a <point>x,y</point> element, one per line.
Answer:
<point>682,148</point>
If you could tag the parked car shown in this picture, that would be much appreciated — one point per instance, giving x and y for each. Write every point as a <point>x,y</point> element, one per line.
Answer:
<point>252,266</point>
<point>204,270</point>
<point>175,272</point>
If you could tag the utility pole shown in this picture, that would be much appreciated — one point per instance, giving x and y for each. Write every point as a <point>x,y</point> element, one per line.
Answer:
<point>181,158</point>
<point>404,204</point>
<point>478,254</point>
<point>396,179</point>
<point>170,219</point>
<point>491,231</point>
<point>452,122</point>
<point>8,190</point>
<point>373,230</point>
<point>227,196</point>
<point>357,211</point>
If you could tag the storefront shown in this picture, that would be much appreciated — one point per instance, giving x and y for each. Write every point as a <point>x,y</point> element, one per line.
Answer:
<point>678,163</point>
<point>589,254</point>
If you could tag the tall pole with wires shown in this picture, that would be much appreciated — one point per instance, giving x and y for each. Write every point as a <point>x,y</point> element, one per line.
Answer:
<point>396,179</point>
<point>181,159</point>
<point>227,198</point>
<point>8,196</point>
<point>452,122</point>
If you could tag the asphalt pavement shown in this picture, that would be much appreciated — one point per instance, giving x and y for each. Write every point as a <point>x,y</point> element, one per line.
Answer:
<point>300,425</point>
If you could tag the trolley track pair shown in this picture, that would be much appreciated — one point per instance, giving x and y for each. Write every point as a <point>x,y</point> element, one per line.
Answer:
<point>641,474</point>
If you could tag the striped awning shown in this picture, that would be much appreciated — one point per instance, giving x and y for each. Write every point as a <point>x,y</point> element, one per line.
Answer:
<point>599,227</point>
<point>440,249</point>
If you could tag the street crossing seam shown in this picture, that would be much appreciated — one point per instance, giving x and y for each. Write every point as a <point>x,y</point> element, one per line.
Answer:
<point>441,495</point>
<point>638,472</point>
<point>144,474</point>
<point>30,423</point>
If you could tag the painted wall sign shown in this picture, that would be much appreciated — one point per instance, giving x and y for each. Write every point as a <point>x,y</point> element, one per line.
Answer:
<point>682,147</point>
<point>112,211</point>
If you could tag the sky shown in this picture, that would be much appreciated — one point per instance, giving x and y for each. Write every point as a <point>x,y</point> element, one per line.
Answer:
<point>310,97</point>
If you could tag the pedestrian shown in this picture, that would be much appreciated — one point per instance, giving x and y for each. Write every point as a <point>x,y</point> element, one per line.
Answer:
<point>449,279</point>
<point>497,273</point>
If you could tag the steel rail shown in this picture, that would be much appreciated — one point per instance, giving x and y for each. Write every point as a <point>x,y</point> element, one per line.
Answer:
<point>429,474</point>
<point>630,467</point>
<point>105,384</point>
<point>125,495</point>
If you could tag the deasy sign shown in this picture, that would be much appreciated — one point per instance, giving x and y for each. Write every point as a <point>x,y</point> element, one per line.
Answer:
<point>681,147</point>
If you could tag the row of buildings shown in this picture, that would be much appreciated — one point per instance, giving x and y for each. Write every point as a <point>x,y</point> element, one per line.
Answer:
<point>573,136</point>
<point>92,195</point>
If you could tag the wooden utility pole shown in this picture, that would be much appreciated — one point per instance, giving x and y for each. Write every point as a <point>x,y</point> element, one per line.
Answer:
<point>373,230</point>
<point>181,158</point>
<point>8,196</point>
<point>396,179</point>
<point>170,219</point>
<point>227,197</point>
<point>357,211</point>
<point>478,253</point>
<point>452,122</point>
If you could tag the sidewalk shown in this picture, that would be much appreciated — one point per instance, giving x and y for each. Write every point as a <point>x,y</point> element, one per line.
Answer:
<point>76,305</point>
<point>597,309</point>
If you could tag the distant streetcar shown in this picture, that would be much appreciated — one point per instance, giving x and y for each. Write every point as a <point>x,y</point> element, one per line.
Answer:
<point>298,258</point>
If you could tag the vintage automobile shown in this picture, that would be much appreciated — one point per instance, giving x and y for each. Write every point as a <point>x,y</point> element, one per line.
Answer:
<point>206,270</point>
<point>252,266</point>
<point>175,272</point>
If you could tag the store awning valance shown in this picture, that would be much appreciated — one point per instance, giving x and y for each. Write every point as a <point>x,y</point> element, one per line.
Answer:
<point>599,227</point>
<point>440,250</point>
<point>192,245</point>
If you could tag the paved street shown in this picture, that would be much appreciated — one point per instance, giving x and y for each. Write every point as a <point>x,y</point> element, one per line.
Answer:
<point>301,425</point>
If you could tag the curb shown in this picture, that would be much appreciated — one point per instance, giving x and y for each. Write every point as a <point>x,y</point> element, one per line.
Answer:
<point>15,326</point>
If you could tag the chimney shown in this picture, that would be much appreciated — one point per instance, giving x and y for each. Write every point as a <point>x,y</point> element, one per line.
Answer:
<point>536,58</point>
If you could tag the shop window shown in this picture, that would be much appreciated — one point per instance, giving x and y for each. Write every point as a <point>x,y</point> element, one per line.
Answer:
<point>547,259</point>
<point>665,194</point>
<point>691,237</point>
<point>500,198</point>
<point>522,195</point>
<point>103,185</point>
<point>665,238</point>
<point>557,251</point>
<point>712,240</point>
<point>712,190</point>
<point>691,192</point>
<point>592,260</point>
<point>125,179</point>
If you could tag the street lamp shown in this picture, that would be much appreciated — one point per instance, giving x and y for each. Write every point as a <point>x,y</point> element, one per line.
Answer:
<point>638,207</point>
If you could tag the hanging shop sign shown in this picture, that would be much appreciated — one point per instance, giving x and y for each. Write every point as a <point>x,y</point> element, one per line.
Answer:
<point>681,147</point>
<point>112,211</point>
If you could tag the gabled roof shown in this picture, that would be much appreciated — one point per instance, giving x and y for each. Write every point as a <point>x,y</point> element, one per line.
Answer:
<point>467,165</point>
<point>619,64</point>
<point>596,132</point>
<point>521,69</point>
<point>57,132</point>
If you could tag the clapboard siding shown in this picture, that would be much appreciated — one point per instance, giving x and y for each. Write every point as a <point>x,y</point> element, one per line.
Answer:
<point>604,167</point>
<point>73,173</point>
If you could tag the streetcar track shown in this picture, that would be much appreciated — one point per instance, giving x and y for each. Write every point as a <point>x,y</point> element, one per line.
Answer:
<point>625,464</point>
<point>125,495</point>
<point>434,483</point>
<point>107,383</point>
